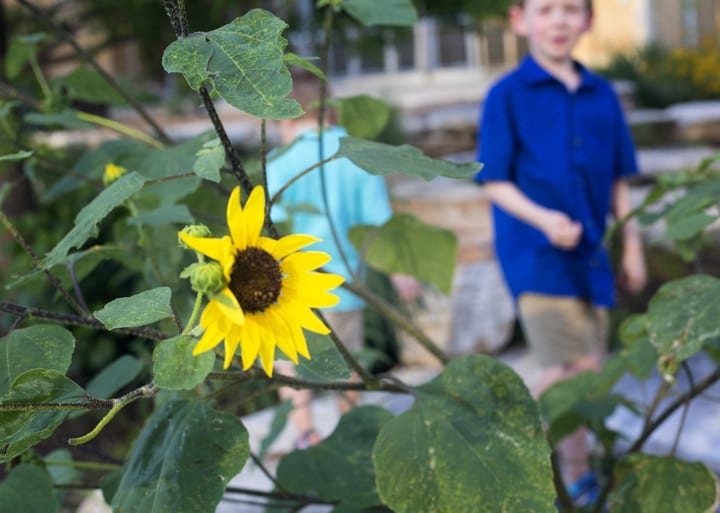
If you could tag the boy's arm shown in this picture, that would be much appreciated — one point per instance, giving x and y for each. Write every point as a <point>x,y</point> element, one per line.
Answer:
<point>560,230</point>
<point>633,273</point>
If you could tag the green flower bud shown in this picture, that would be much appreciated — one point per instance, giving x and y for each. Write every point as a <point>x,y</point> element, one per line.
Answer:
<point>195,230</point>
<point>205,277</point>
<point>112,173</point>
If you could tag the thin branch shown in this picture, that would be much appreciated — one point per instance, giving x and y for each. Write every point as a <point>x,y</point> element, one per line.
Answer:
<point>650,428</point>
<point>394,315</point>
<point>36,261</point>
<point>64,35</point>
<point>686,408</point>
<point>74,320</point>
<point>380,385</point>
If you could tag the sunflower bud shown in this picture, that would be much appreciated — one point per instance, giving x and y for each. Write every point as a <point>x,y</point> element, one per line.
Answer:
<point>194,230</point>
<point>112,173</point>
<point>206,278</point>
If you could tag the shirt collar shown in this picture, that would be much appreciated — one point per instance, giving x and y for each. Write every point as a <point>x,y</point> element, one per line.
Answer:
<point>534,74</point>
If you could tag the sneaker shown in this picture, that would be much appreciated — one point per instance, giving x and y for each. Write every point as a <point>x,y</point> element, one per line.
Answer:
<point>585,490</point>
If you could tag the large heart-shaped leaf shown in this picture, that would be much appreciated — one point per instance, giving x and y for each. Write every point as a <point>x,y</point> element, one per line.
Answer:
<point>383,159</point>
<point>182,460</point>
<point>662,484</point>
<point>41,346</point>
<point>340,468</point>
<point>397,246</point>
<point>242,61</point>
<point>363,116</point>
<point>471,443</point>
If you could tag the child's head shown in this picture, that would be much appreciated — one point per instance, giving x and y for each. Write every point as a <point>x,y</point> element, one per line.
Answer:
<point>552,27</point>
<point>306,91</point>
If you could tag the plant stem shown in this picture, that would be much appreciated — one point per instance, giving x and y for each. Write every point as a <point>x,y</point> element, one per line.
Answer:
<point>85,465</point>
<point>76,320</point>
<point>395,316</point>
<point>196,309</point>
<point>121,128</point>
<point>118,404</point>
<point>40,77</point>
<point>62,34</point>
<point>54,281</point>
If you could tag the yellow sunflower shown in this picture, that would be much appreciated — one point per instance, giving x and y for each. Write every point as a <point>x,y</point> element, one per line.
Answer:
<point>271,288</point>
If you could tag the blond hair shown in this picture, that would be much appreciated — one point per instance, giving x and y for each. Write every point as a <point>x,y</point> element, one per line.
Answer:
<point>588,5</point>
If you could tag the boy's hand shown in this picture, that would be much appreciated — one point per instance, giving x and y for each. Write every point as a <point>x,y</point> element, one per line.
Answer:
<point>633,272</point>
<point>407,287</point>
<point>561,231</point>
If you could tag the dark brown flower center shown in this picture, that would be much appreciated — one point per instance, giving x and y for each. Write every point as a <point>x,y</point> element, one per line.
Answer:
<point>255,279</point>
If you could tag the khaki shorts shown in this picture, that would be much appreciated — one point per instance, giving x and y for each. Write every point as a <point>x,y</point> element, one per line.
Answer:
<point>561,329</point>
<point>348,326</point>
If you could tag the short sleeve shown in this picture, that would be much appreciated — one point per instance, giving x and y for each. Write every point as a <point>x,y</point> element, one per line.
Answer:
<point>375,202</point>
<point>496,137</point>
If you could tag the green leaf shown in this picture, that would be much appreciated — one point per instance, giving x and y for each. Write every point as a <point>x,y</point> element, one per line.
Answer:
<point>340,468</point>
<point>399,13</point>
<point>86,84</point>
<point>165,214</point>
<point>211,157</point>
<point>59,466</point>
<point>242,61</point>
<point>395,246</point>
<point>326,364</point>
<point>688,226</point>
<point>20,430</point>
<point>683,316</point>
<point>382,159</point>
<point>138,310</point>
<point>471,443</point>
<point>28,488</point>
<point>662,484</point>
<point>363,116</point>
<point>182,461</point>
<point>115,376</point>
<point>175,367</point>
<point>90,216</point>
<point>290,59</point>
<point>22,50</point>
<point>20,155</point>
<point>66,118</point>
<point>282,411</point>
<point>40,346</point>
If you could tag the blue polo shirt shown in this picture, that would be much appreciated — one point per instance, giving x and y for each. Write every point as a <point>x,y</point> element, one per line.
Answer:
<point>564,150</point>
<point>354,197</point>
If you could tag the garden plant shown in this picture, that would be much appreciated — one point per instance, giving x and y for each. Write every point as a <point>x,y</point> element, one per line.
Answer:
<point>152,263</point>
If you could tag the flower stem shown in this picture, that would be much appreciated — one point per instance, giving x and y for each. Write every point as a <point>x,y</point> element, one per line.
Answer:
<point>118,404</point>
<point>196,309</point>
<point>120,128</point>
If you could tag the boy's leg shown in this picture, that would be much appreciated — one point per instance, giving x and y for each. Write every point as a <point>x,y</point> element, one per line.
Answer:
<point>349,328</point>
<point>566,336</point>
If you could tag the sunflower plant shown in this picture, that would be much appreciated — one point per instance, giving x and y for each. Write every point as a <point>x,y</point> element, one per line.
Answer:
<point>148,295</point>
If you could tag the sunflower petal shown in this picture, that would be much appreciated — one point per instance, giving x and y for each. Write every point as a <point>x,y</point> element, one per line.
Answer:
<point>314,281</point>
<point>229,306</point>
<point>250,344</point>
<point>292,243</point>
<point>303,262</point>
<point>232,340</point>
<point>283,337</point>
<point>309,296</point>
<point>299,340</point>
<point>211,338</point>
<point>217,249</point>
<point>267,345</point>
<point>236,220</point>
<point>302,315</point>
<point>255,215</point>
<point>210,315</point>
